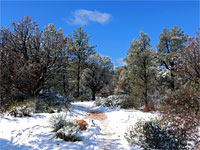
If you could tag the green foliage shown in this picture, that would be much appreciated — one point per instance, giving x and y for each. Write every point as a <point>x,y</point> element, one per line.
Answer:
<point>78,52</point>
<point>58,121</point>
<point>50,111</point>
<point>170,42</point>
<point>121,101</point>
<point>128,103</point>
<point>141,61</point>
<point>158,138</point>
<point>29,57</point>
<point>150,135</point>
<point>50,102</point>
<point>21,109</point>
<point>98,73</point>
<point>44,106</point>
<point>84,98</point>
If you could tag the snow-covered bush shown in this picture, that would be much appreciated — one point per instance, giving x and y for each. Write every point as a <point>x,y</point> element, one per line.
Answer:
<point>112,101</point>
<point>64,129</point>
<point>151,135</point>
<point>128,102</point>
<point>69,132</point>
<point>21,109</point>
<point>46,105</point>
<point>158,137</point>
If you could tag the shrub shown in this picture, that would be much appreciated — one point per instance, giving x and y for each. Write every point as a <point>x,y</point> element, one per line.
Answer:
<point>63,129</point>
<point>112,101</point>
<point>42,106</point>
<point>128,103</point>
<point>21,109</point>
<point>51,111</point>
<point>150,135</point>
<point>58,121</point>
<point>5,102</point>
<point>159,138</point>
<point>182,114</point>
<point>52,101</point>
<point>69,132</point>
<point>84,98</point>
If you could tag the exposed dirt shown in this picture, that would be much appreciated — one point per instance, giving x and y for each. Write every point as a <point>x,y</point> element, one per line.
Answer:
<point>106,142</point>
<point>96,116</point>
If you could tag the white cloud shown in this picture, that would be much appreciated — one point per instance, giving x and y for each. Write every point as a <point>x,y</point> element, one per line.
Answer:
<point>120,61</point>
<point>83,17</point>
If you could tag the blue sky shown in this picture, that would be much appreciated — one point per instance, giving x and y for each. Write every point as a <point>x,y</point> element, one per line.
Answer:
<point>111,24</point>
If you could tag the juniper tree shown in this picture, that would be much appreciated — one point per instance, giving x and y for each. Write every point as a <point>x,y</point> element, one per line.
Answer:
<point>78,52</point>
<point>55,58</point>
<point>33,54</point>
<point>98,73</point>
<point>141,63</point>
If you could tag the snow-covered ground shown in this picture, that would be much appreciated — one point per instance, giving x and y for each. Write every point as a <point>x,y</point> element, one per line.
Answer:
<point>105,131</point>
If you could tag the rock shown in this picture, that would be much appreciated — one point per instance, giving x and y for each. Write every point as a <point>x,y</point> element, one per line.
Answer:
<point>83,124</point>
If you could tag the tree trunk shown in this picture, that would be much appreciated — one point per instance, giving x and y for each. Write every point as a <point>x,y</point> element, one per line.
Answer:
<point>93,94</point>
<point>172,81</point>
<point>172,84</point>
<point>78,81</point>
<point>146,106</point>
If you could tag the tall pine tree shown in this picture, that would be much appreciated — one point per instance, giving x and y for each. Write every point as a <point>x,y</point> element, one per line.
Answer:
<point>141,66</point>
<point>78,52</point>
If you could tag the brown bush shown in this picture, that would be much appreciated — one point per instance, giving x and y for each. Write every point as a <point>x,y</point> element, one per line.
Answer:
<point>182,114</point>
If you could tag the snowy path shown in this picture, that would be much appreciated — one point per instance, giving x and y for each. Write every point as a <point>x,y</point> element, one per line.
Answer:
<point>106,139</point>
<point>105,131</point>
<point>112,123</point>
<point>107,142</point>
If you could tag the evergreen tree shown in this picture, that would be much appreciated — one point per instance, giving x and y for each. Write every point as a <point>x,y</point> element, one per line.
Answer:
<point>54,44</point>
<point>141,63</point>
<point>170,42</point>
<point>78,52</point>
<point>98,73</point>
<point>33,55</point>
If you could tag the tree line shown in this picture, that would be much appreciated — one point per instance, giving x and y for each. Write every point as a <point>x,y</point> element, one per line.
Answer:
<point>153,75</point>
<point>35,61</point>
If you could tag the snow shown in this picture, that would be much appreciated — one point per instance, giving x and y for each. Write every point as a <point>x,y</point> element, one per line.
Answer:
<point>105,130</point>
